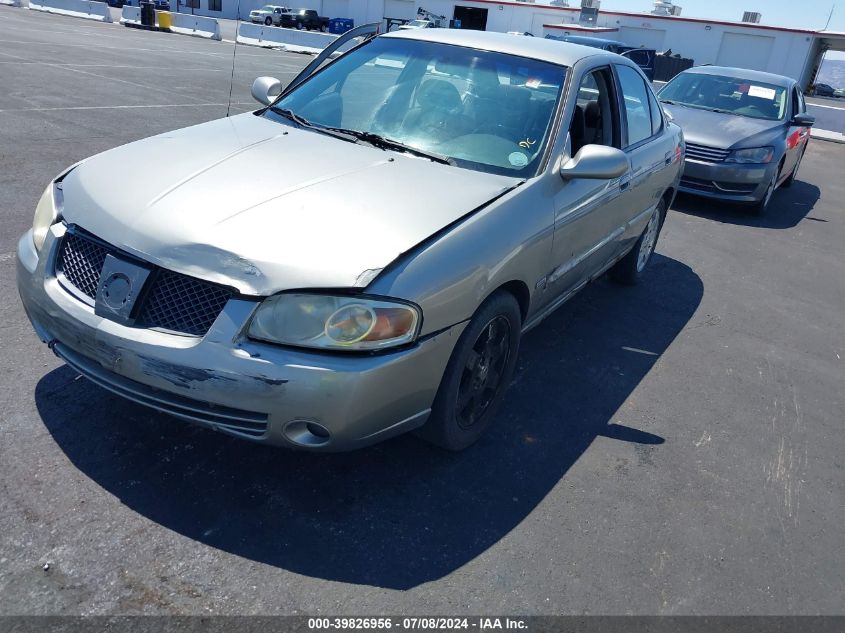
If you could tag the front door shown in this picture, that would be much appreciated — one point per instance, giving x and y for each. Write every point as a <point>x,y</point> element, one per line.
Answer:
<point>587,229</point>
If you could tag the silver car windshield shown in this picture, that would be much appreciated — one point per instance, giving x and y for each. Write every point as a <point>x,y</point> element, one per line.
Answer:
<point>480,110</point>
<point>733,95</point>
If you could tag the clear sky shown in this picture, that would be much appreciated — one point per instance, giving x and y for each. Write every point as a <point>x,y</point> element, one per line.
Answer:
<point>802,14</point>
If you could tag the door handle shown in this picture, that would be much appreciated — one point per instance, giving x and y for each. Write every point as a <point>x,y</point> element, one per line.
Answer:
<point>624,184</point>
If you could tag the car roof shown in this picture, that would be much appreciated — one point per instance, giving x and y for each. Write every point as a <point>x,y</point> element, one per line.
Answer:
<point>584,39</point>
<point>743,73</point>
<point>555,52</point>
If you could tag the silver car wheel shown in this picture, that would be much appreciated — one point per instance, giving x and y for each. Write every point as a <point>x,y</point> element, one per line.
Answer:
<point>770,191</point>
<point>649,240</point>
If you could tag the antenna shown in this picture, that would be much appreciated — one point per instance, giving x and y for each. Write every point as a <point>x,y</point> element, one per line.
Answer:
<point>829,16</point>
<point>234,55</point>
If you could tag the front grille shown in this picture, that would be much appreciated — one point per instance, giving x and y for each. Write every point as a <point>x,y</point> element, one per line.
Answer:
<point>711,186</point>
<point>706,154</point>
<point>698,184</point>
<point>171,301</point>
<point>181,303</point>
<point>80,262</point>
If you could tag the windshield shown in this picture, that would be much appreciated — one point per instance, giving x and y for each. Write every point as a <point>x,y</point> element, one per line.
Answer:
<point>753,99</point>
<point>486,111</point>
<point>269,8</point>
<point>418,23</point>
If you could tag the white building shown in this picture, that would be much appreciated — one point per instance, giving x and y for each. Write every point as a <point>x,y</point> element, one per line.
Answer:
<point>786,51</point>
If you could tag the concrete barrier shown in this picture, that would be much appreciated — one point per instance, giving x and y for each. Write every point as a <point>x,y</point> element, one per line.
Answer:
<point>286,39</point>
<point>11,3</point>
<point>196,25</point>
<point>130,14</point>
<point>88,9</point>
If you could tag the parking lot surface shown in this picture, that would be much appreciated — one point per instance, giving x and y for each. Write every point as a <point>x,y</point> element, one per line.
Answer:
<point>671,448</point>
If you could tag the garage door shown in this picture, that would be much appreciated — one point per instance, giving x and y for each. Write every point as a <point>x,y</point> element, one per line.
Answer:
<point>336,9</point>
<point>642,38</point>
<point>745,51</point>
<point>399,9</point>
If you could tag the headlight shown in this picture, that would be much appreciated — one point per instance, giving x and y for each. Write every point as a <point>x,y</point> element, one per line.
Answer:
<point>46,214</point>
<point>755,155</point>
<point>335,322</point>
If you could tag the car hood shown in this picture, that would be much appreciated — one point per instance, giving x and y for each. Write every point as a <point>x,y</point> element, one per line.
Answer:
<point>727,131</point>
<point>263,206</point>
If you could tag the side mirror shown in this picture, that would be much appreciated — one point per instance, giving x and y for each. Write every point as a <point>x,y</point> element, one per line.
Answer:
<point>266,89</point>
<point>597,162</point>
<point>804,120</point>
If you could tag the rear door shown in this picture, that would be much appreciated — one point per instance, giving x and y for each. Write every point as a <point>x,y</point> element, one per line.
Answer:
<point>651,151</point>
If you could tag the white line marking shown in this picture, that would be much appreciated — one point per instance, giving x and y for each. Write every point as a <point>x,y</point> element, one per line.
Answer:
<point>125,107</point>
<point>818,105</point>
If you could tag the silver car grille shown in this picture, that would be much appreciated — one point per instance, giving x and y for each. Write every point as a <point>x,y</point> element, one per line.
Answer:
<point>171,301</point>
<point>706,154</point>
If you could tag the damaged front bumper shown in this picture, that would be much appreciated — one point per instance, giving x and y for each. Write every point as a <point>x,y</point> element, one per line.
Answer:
<point>227,382</point>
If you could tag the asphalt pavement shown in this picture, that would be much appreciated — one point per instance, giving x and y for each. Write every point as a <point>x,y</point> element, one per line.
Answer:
<point>670,448</point>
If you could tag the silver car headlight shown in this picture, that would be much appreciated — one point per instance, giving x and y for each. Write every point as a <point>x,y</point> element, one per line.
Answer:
<point>756,155</point>
<point>333,322</point>
<point>46,214</point>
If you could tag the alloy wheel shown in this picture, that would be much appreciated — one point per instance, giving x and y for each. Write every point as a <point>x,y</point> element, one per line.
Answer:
<point>649,240</point>
<point>483,371</point>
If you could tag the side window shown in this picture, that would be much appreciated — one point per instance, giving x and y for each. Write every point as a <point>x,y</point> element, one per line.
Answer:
<point>635,99</point>
<point>656,114</point>
<point>594,121</point>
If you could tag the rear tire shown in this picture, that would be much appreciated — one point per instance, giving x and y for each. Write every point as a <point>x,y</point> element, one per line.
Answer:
<point>477,375</point>
<point>629,269</point>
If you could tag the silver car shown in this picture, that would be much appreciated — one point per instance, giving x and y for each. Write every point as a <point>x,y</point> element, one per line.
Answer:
<point>270,14</point>
<point>746,132</point>
<point>359,257</point>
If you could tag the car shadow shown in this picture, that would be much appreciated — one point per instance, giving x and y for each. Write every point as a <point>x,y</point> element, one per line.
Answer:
<point>400,513</point>
<point>788,207</point>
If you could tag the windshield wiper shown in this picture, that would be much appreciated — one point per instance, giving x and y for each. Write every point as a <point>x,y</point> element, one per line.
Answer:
<point>382,142</point>
<point>669,101</point>
<point>301,121</point>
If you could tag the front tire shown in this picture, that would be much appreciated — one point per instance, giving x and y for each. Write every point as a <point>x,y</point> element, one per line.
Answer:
<point>477,375</point>
<point>629,269</point>
<point>759,207</point>
<point>299,26</point>
<point>788,182</point>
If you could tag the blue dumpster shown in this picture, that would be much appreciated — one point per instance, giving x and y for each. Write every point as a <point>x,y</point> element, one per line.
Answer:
<point>341,25</point>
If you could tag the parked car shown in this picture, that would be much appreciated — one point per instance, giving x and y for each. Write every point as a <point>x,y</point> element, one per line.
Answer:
<point>305,19</point>
<point>417,24</point>
<point>823,90</point>
<point>269,15</point>
<point>746,132</point>
<point>839,93</point>
<point>280,284</point>
<point>642,57</point>
<point>161,5</point>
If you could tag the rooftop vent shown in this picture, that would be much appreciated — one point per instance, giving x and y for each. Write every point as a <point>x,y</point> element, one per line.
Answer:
<point>559,3</point>
<point>589,12</point>
<point>665,7</point>
<point>752,16</point>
